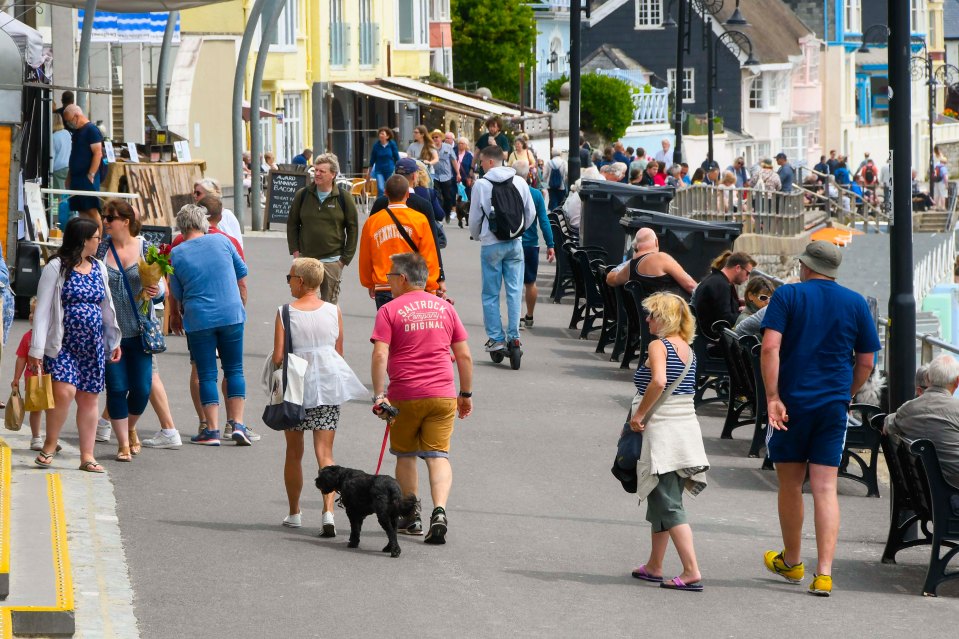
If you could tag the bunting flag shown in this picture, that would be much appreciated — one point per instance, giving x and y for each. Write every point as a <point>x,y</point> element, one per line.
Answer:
<point>128,27</point>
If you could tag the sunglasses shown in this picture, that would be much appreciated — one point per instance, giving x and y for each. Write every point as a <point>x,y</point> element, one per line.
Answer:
<point>110,218</point>
<point>290,277</point>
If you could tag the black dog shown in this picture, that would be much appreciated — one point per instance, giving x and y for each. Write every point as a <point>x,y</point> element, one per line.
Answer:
<point>364,494</point>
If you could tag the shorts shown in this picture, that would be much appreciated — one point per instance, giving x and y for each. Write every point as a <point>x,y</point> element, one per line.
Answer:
<point>324,417</point>
<point>817,437</point>
<point>423,427</point>
<point>664,506</point>
<point>531,261</point>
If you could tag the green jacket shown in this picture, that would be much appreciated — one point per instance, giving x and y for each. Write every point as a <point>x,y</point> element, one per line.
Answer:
<point>322,232</point>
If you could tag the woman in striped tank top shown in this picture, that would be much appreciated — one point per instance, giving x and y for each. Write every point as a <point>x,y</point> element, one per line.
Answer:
<point>673,456</point>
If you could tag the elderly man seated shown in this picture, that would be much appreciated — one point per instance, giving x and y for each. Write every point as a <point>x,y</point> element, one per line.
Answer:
<point>657,271</point>
<point>934,415</point>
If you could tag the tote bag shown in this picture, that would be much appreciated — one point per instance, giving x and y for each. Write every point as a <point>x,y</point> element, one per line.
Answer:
<point>285,409</point>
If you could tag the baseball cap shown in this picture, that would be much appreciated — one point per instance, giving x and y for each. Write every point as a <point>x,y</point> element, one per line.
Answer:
<point>406,166</point>
<point>780,156</point>
<point>822,257</point>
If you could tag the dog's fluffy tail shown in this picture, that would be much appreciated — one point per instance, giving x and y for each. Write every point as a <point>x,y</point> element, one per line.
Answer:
<point>405,506</point>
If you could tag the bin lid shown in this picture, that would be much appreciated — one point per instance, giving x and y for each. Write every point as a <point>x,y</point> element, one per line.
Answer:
<point>623,191</point>
<point>636,219</point>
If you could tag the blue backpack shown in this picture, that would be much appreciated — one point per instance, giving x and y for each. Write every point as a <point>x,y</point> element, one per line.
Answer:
<point>555,177</point>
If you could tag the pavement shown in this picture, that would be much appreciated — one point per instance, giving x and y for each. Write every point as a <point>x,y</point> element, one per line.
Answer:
<point>541,541</point>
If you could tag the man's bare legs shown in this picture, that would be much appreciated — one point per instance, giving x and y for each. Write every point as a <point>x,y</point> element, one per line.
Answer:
<point>791,478</point>
<point>823,481</point>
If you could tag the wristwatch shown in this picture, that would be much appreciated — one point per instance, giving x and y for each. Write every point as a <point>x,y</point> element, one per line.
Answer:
<point>466,394</point>
<point>379,397</point>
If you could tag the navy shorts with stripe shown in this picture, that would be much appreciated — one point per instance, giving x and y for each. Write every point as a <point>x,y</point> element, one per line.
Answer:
<point>817,437</point>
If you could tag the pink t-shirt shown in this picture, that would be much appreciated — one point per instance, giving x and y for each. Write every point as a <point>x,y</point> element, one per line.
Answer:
<point>419,329</point>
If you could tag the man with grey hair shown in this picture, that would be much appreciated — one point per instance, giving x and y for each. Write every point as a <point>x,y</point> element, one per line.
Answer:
<point>933,415</point>
<point>86,154</point>
<point>922,379</point>
<point>412,338</point>
<point>614,172</point>
<point>323,224</point>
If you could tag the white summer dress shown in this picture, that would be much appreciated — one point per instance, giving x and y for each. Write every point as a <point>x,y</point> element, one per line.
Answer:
<point>329,379</point>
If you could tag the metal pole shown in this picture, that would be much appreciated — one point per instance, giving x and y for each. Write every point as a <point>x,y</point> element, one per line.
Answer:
<point>575,34</point>
<point>680,81</point>
<point>902,303</point>
<point>164,65</point>
<point>239,79</point>
<point>268,28</point>
<point>522,89</point>
<point>932,115</point>
<point>83,56</point>
<point>710,81</point>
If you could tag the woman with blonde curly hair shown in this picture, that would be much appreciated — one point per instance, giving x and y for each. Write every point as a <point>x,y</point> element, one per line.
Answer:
<point>673,457</point>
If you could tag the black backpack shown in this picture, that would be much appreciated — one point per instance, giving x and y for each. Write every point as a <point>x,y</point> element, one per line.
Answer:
<point>507,214</point>
<point>870,175</point>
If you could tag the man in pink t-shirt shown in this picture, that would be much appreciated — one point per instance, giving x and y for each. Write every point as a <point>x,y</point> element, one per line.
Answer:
<point>412,338</point>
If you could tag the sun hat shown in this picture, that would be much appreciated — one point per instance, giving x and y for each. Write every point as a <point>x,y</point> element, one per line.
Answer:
<point>822,257</point>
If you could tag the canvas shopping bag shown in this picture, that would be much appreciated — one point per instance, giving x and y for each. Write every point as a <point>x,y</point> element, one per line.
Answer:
<point>39,392</point>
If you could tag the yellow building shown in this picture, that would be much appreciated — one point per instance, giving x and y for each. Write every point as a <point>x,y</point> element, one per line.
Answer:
<point>323,52</point>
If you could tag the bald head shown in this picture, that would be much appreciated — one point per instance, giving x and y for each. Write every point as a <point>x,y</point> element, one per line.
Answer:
<point>73,117</point>
<point>645,241</point>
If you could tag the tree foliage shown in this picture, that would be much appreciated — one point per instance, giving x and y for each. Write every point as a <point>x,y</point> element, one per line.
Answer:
<point>551,92</point>
<point>606,106</point>
<point>490,39</point>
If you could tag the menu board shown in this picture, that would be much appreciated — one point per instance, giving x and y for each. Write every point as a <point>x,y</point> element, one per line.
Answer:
<point>281,187</point>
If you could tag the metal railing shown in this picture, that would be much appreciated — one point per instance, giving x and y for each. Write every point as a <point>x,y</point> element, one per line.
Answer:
<point>651,108</point>
<point>934,268</point>
<point>759,211</point>
<point>839,202</point>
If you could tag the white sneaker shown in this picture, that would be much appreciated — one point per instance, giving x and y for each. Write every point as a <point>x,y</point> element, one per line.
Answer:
<point>254,437</point>
<point>162,440</point>
<point>329,529</point>
<point>227,431</point>
<point>36,443</point>
<point>292,521</point>
<point>103,430</point>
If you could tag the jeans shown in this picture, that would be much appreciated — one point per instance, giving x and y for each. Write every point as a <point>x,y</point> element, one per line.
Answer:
<point>502,263</point>
<point>204,345</point>
<point>381,179</point>
<point>129,380</point>
<point>556,198</point>
<point>447,191</point>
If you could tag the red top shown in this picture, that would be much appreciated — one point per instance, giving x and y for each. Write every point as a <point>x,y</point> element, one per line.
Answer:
<point>23,350</point>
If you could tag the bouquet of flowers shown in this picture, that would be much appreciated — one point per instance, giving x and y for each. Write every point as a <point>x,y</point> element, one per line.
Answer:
<point>152,269</point>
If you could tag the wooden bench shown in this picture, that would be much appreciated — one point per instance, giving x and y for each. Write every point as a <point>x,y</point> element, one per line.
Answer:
<point>925,507</point>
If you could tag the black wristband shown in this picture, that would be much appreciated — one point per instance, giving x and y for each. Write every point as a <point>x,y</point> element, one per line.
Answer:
<point>466,394</point>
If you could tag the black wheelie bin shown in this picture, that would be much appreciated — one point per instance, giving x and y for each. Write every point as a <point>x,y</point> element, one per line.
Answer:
<point>604,205</point>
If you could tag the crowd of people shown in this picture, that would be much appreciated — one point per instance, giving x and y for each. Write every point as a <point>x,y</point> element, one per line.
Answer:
<point>93,318</point>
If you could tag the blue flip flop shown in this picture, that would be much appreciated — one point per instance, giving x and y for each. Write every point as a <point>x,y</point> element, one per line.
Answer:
<point>677,584</point>
<point>642,573</point>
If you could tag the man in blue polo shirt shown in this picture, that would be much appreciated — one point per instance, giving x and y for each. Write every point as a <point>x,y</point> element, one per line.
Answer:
<point>818,349</point>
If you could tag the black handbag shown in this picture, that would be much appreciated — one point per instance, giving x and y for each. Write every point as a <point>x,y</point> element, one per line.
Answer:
<point>284,415</point>
<point>151,334</point>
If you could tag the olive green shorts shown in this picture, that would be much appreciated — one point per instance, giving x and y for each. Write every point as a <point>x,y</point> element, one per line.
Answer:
<point>664,506</point>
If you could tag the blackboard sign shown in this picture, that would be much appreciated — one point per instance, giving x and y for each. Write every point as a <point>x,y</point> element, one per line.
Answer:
<point>280,189</point>
<point>156,235</point>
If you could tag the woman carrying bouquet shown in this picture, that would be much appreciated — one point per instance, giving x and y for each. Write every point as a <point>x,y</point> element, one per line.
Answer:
<point>128,380</point>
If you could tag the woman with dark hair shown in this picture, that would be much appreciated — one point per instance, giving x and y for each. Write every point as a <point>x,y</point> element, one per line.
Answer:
<point>757,293</point>
<point>383,159</point>
<point>128,380</point>
<point>74,326</point>
<point>422,147</point>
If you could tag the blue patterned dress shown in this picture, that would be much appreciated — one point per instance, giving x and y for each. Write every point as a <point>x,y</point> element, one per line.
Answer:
<point>82,358</point>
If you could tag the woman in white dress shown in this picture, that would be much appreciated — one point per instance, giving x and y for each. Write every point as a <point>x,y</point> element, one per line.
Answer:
<point>316,332</point>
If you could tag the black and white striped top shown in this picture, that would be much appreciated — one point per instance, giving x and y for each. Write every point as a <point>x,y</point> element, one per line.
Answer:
<point>674,368</point>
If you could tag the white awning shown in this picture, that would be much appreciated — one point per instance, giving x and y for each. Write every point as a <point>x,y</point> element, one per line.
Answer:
<point>28,39</point>
<point>374,91</point>
<point>136,6</point>
<point>472,103</point>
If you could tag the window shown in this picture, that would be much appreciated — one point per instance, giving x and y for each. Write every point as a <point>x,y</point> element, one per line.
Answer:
<point>853,16</point>
<point>369,34</point>
<point>292,125</point>
<point>285,35</point>
<point>649,14</point>
<point>439,10</point>
<point>794,142</point>
<point>689,94</point>
<point>917,11</point>
<point>763,92</point>
<point>413,22</point>
<point>339,35</point>
<point>266,124</point>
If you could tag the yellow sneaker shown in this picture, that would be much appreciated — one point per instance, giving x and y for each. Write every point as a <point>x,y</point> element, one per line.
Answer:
<point>821,586</point>
<point>776,564</point>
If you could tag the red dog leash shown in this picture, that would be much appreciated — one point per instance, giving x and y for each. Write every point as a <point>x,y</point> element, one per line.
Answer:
<point>386,435</point>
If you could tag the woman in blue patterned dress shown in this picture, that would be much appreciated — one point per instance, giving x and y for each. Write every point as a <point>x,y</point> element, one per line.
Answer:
<point>74,327</point>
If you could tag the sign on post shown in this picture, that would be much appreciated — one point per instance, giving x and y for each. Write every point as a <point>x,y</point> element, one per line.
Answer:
<point>281,187</point>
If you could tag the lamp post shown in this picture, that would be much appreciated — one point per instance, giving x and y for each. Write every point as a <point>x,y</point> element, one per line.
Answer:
<point>739,43</point>
<point>575,34</point>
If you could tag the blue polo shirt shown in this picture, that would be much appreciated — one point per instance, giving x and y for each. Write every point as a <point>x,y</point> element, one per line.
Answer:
<point>823,325</point>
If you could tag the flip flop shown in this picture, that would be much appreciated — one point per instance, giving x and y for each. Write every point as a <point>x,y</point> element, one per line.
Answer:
<point>641,573</point>
<point>91,467</point>
<point>677,584</point>
<point>44,460</point>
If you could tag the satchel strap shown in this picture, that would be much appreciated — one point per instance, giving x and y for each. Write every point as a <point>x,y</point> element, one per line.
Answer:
<point>402,230</point>
<point>123,276</point>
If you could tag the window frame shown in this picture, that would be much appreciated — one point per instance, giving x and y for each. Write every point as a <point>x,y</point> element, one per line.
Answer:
<point>648,14</point>
<point>292,122</point>
<point>689,83</point>
<point>852,9</point>
<point>420,26</point>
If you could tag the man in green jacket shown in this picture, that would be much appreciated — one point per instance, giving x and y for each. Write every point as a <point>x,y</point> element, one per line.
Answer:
<point>323,225</point>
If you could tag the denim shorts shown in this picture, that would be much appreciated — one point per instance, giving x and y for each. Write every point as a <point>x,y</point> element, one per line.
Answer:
<point>817,437</point>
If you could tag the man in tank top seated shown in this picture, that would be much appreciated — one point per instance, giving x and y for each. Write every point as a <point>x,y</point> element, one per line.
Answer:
<point>657,271</point>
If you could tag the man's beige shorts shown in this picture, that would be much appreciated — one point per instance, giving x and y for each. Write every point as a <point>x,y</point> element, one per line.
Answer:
<point>423,427</point>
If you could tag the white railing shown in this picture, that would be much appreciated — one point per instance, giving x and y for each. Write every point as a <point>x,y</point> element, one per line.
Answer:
<point>936,268</point>
<point>651,108</point>
<point>542,78</point>
<point>634,77</point>
<point>759,211</point>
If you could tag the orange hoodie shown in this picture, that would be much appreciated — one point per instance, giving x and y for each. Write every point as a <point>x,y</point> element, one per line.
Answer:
<point>380,239</point>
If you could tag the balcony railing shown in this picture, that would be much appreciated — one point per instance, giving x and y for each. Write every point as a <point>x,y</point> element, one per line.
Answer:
<point>651,108</point>
<point>759,211</point>
<point>369,37</point>
<point>339,44</point>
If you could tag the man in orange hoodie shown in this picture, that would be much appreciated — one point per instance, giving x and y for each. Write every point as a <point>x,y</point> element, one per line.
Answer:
<point>396,229</point>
